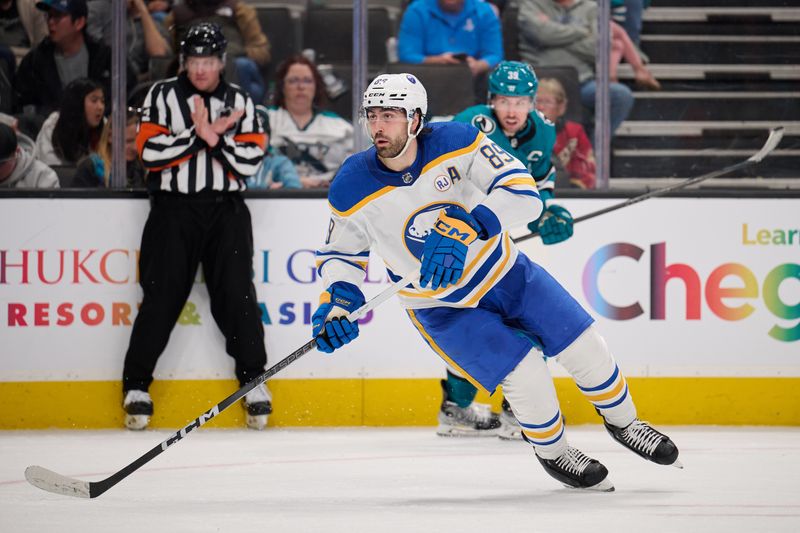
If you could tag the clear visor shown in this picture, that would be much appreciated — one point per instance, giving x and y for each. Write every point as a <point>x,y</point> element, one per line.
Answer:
<point>373,115</point>
<point>512,103</point>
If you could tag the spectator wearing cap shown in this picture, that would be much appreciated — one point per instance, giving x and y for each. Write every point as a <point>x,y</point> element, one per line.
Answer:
<point>277,170</point>
<point>66,54</point>
<point>18,167</point>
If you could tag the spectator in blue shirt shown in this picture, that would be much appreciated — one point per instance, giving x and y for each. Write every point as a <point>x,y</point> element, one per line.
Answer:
<point>451,32</point>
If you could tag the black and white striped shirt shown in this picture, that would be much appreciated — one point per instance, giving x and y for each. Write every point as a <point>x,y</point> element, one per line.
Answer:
<point>180,161</point>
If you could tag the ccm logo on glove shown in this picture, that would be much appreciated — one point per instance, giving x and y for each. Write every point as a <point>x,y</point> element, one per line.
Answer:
<point>455,229</point>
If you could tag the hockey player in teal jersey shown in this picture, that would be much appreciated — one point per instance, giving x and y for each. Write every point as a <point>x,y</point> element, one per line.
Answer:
<point>513,123</point>
<point>439,200</point>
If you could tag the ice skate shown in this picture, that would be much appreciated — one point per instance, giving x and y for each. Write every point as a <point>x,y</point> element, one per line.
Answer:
<point>576,470</point>
<point>138,409</point>
<point>475,420</point>
<point>641,438</point>
<point>509,427</point>
<point>258,404</point>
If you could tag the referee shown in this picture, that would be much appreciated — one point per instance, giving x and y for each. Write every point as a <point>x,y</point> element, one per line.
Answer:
<point>199,139</point>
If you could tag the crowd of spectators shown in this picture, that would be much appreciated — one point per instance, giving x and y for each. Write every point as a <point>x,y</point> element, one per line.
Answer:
<point>55,79</point>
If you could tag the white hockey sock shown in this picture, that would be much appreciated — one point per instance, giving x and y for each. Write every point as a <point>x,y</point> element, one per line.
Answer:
<point>530,391</point>
<point>591,365</point>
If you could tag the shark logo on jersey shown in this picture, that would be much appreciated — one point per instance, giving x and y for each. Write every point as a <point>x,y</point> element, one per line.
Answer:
<point>484,124</point>
<point>420,225</point>
<point>306,155</point>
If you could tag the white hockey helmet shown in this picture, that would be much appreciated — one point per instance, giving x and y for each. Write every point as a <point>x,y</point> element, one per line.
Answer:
<point>402,91</point>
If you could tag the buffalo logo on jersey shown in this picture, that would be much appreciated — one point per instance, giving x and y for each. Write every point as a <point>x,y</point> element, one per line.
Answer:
<point>419,225</point>
<point>484,124</point>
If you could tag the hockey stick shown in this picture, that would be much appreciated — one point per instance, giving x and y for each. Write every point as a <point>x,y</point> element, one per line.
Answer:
<point>53,482</point>
<point>775,136</point>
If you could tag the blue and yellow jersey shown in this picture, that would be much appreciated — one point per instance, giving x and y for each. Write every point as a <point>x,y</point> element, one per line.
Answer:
<point>533,145</point>
<point>374,208</point>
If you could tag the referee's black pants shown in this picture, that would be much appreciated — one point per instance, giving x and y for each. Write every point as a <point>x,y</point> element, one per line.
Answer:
<point>181,232</point>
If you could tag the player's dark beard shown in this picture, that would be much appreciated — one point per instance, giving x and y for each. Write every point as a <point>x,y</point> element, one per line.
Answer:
<point>395,147</point>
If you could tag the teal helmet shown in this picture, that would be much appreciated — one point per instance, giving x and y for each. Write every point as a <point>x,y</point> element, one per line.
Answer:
<point>513,78</point>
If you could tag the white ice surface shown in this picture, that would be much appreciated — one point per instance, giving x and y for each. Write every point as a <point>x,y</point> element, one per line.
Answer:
<point>398,480</point>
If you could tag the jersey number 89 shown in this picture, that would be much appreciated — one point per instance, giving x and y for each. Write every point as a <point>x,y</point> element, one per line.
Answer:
<point>496,156</point>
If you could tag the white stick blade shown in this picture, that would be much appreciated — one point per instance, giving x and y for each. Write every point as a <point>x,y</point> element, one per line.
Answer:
<point>52,482</point>
<point>775,136</point>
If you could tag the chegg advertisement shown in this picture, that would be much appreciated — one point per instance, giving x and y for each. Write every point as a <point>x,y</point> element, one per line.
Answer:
<point>728,291</point>
<point>678,287</point>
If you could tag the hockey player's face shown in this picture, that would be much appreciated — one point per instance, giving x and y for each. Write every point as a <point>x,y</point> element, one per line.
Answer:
<point>512,112</point>
<point>204,72</point>
<point>388,129</point>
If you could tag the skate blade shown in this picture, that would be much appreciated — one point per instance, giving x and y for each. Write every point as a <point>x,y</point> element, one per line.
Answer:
<point>137,422</point>
<point>450,431</point>
<point>603,486</point>
<point>678,464</point>
<point>257,422</point>
<point>510,436</point>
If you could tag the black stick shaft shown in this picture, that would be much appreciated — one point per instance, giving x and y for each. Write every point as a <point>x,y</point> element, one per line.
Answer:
<point>96,488</point>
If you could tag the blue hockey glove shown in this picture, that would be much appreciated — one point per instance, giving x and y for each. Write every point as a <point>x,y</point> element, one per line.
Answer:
<point>554,226</point>
<point>445,250</point>
<point>338,332</point>
<point>329,325</point>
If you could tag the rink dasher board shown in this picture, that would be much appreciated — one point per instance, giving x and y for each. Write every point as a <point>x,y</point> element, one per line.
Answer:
<point>699,297</point>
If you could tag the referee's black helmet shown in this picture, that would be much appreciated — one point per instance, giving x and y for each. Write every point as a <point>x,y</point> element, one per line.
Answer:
<point>204,39</point>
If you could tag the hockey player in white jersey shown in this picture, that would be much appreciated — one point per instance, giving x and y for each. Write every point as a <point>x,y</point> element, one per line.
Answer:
<point>439,199</point>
